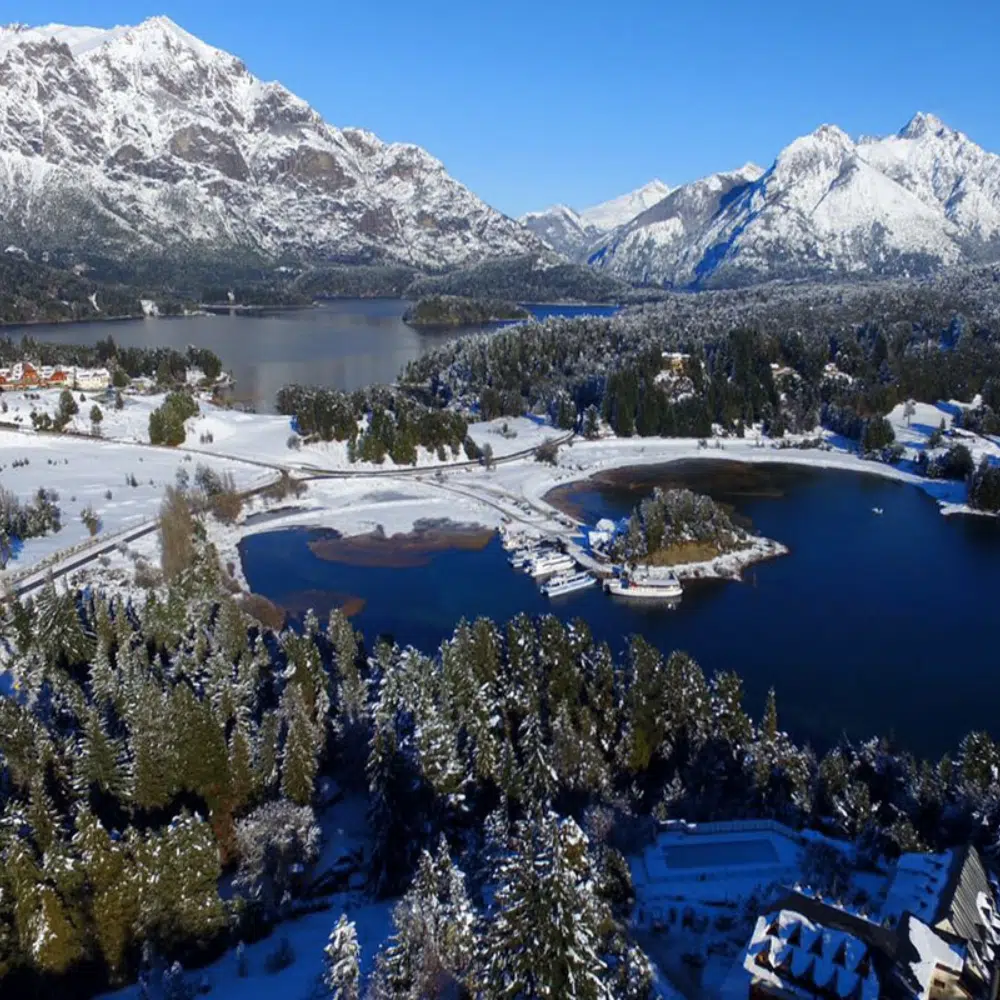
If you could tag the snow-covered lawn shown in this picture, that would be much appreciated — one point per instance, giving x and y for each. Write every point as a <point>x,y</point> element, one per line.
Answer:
<point>85,471</point>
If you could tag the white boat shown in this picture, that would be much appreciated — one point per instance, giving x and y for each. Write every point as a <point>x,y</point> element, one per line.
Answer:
<point>567,583</point>
<point>877,510</point>
<point>549,563</point>
<point>521,556</point>
<point>649,583</point>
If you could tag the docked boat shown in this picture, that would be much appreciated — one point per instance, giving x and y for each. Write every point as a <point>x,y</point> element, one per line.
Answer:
<point>549,563</point>
<point>521,556</point>
<point>649,583</point>
<point>567,583</point>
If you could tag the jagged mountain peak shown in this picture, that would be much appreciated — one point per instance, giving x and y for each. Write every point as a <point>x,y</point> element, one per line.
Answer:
<point>923,123</point>
<point>144,139</point>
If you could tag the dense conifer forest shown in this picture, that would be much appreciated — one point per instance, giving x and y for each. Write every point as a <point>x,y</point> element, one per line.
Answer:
<point>456,310</point>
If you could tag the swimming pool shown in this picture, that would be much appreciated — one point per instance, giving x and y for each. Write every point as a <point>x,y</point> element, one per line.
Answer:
<point>721,853</point>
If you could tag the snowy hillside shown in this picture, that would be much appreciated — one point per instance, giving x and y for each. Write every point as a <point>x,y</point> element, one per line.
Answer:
<point>573,233</point>
<point>828,206</point>
<point>140,139</point>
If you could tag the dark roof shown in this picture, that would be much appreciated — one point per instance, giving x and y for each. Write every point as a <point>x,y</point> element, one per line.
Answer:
<point>957,904</point>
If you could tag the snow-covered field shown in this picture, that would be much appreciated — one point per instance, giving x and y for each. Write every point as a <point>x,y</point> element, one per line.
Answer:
<point>83,469</point>
<point>86,472</point>
<point>254,437</point>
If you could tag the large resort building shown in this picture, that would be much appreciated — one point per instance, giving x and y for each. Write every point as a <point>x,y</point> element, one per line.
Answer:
<point>937,939</point>
<point>25,375</point>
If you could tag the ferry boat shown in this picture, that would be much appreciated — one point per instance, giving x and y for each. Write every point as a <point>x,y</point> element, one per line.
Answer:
<point>549,563</point>
<point>649,583</point>
<point>567,583</point>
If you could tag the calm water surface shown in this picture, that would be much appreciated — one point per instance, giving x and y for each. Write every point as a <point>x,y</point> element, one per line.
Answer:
<point>873,625</point>
<point>345,344</point>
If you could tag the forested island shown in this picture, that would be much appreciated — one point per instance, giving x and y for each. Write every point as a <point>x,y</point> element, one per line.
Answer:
<point>674,527</point>
<point>457,310</point>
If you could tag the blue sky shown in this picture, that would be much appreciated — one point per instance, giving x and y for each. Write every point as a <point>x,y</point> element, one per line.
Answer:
<point>535,101</point>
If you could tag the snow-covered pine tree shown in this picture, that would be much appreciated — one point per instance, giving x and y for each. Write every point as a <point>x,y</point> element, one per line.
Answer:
<point>342,962</point>
<point>112,890</point>
<point>435,943</point>
<point>299,762</point>
<point>545,937</point>
<point>351,685</point>
<point>99,761</point>
<point>538,778</point>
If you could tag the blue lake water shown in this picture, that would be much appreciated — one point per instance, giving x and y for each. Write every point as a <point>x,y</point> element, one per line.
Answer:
<point>871,626</point>
<point>342,343</point>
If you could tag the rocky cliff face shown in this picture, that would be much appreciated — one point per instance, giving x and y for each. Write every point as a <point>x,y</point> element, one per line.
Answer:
<point>146,140</point>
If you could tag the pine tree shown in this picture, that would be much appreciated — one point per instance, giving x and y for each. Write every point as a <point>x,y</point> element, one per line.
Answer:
<point>538,777</point>
<point>351,686</point>
<point>435,942</point>
<point>545,936</point>
<point>299,764</point>
<point>769,727</point>
<point>99,761</point>
<point>342,971</point>
<point>111,888</point>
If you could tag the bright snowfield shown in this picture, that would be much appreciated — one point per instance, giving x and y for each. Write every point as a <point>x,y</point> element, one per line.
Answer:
<point>255,437</point>
<point>83,472</point>
<point>206,153</point>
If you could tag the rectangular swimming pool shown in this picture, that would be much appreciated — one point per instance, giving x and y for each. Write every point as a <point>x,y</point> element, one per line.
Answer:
<point>720,854</point>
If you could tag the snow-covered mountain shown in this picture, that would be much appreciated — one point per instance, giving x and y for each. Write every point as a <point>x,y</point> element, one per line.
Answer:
<point>828,206</point>
<point>143,139</point>
<point>662,240</point>
<point>573,233</point>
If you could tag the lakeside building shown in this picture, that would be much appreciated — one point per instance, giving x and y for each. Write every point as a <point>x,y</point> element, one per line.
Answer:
<point>25,375</point>
<point>937,939</point>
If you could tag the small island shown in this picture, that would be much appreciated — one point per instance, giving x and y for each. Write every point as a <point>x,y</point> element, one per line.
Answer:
<point>457,310</point>
<point>690,533</point>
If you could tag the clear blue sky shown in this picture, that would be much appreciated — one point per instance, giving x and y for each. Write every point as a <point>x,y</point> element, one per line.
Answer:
<point>535,101</point>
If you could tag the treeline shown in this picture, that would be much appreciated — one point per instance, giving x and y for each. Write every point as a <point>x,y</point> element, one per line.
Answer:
<point>672,519</point>
<point>455,310</point>
<point>37,293</point>
<point>377,423</point>
<point>164,364</point>
<point>524,279</point>
<point>153,746</point>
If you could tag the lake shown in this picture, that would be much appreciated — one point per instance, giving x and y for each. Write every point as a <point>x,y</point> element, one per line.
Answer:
<point>344,344</point>
<point>871,626</point>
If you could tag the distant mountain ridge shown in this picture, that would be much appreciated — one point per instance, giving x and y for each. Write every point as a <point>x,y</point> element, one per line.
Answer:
<point>828,207</point>
<point>572,233</point>
<point>146,140</point>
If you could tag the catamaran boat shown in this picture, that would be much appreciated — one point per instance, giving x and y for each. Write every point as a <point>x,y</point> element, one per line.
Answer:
<point>549,563</point>
<point>567,583</point>
<point>649,583</point>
